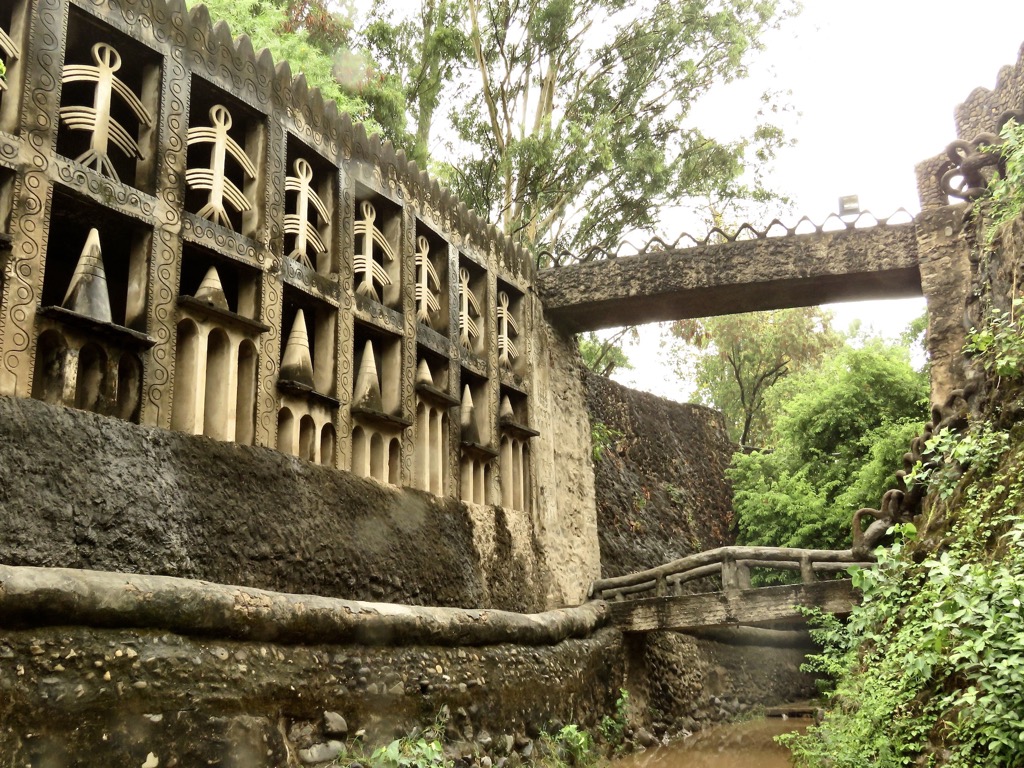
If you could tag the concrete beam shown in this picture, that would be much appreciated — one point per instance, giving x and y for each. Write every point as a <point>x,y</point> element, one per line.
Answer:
<point>748,607</point>
<point>745,276</point>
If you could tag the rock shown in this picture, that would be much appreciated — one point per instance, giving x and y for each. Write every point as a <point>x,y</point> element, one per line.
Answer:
<point>484,739</point>
<point>302,734</point>
<point>505,744</point>
<point>645,738</point>
<point>335,725</point>
<point>321,753</point>
<point>485,762</point>
<point>527,751</point>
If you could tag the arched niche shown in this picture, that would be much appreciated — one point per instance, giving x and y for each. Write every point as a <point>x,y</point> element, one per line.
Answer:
<point>186,377</point>
<point>129,385</point>
<point>286,431</point>
<point>90,384</point>
<point>51,357</point>
<point>307,438</point>
<point>245,400</point>
<point>218,367</point>
<point>328,444</point>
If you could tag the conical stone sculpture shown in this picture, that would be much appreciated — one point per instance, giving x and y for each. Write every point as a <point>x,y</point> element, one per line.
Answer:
<point>296,364</point>
<point>505,412</point>
<point>423,375</point>
<point>470,433</point>
<point>87,294</point>
<point>212,291</point>
<point>367,390</point>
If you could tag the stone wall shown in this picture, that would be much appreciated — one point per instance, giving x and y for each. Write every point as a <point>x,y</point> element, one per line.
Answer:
<point>322,297</point>
<point>567,524</point>
<point>690,682</point>
<point>83,491</point>
<point>979,112</point>
<point>660,480</point>
<point>92,697</point>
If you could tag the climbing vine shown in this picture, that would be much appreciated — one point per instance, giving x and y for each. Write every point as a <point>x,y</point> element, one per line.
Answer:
<point>1007,191</point>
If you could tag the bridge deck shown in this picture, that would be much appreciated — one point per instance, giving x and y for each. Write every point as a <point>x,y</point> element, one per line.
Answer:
<point>742,276</point>
<point>746,607</point>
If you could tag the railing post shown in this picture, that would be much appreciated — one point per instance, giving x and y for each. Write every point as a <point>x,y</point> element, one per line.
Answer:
<point>742,575</point>
<point>730,577</point>
<point>806,570</point>
<point>661,587</point>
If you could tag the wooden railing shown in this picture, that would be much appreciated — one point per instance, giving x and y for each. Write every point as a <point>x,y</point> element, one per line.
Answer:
<point>731,564</point>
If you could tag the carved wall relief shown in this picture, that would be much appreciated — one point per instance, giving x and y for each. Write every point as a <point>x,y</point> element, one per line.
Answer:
<point>12,26</point>
<point>377,265</point>
<point>514,460</point>
<point>306,381</point>
<point>478,452</point>
<point>213,180</point>
<point>197,242</point>
<point>376,406</point>
<point>508,329</point>
<point>217,348</point>
<point>85,359</point>
<point>9,49</point>
<point>472,300</point>
<point>307,221</point>
<point>108,106</point>
<point>433,404</point>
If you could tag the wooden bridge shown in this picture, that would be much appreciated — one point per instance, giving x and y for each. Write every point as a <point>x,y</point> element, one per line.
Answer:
<point>653,599</point>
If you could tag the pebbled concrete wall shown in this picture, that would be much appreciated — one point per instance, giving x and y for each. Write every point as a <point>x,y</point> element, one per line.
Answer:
<point>94,697</point>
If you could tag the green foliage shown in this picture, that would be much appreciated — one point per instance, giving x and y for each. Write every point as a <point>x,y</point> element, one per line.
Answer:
<point>604,356</point>
<point>570,746</point>
<point>741,357</point>
<point>316,42</point>
<point>947,454</point>
<point>572,127</point>
<point>418,753</point>
<point>839,435</point>
<point>832,636</point>
<point>420,749</point>
<point>1008,191</point>
<point>933,655</point>
<point>613,727</point>
<point>424,48</point>
<point>999,345</point>
<point>601,438</point>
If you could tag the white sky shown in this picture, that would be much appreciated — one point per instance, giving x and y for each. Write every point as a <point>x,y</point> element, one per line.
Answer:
<point>875,83</point>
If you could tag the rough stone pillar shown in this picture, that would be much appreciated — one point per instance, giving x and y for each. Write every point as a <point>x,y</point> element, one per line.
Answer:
<point>944,262</point>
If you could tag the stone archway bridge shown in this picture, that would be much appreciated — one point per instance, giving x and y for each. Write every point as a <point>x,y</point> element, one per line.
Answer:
<point>652,600</point>
<point>669,282</point>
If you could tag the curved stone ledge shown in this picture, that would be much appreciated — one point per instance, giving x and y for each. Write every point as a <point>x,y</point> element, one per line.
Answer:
<point>33,597</point>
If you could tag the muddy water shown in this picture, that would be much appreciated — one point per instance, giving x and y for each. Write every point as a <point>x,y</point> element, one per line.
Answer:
<point>741,745</point>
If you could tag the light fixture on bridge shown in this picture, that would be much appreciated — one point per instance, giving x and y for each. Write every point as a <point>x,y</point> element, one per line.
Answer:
<point>849,205</point>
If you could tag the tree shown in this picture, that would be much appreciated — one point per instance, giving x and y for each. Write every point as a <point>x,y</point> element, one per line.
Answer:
<point>571,127</point>
<point>604,356</point>
<point>425,50</point>
<point>838,438</point>
<point>741,357</point>
<point>320,44</point>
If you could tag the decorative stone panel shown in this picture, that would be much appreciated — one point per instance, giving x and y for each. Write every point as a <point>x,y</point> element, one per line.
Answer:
<point>275,277</point>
